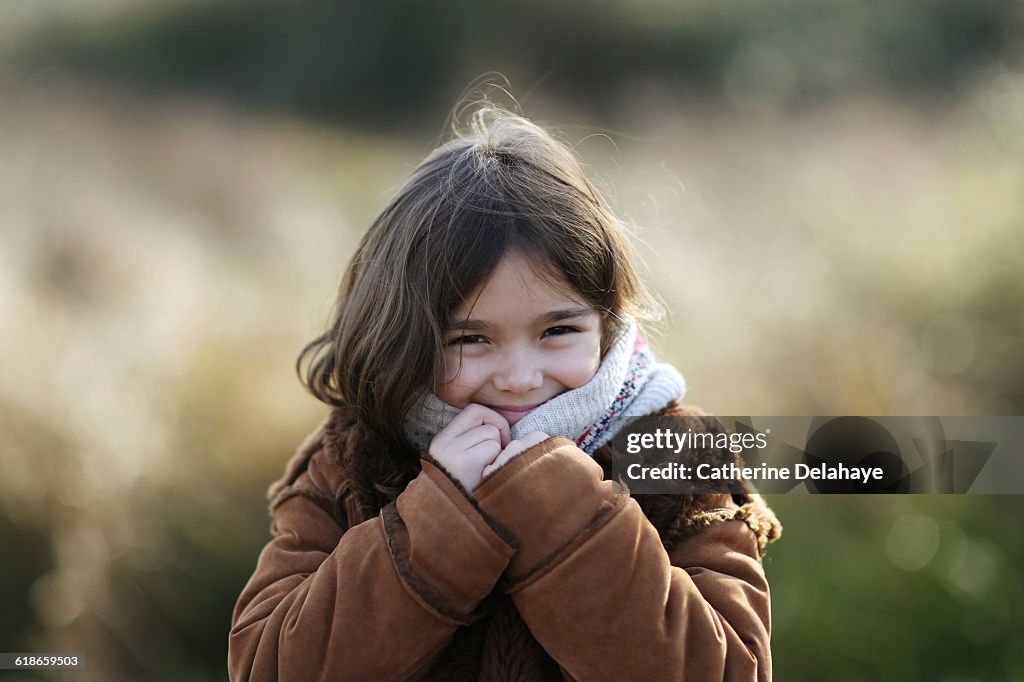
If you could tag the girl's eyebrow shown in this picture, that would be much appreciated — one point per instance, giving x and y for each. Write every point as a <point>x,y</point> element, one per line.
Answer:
<point>565,314</point>
<point>547,318</point>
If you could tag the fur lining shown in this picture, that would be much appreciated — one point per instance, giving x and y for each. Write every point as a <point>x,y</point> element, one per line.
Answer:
<point>761,519</point>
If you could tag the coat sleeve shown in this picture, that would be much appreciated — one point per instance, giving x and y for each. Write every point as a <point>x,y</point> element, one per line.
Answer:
<point>379,600</point>
<point>598,590</point>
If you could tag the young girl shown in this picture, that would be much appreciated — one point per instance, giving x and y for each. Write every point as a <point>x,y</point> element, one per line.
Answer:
<point>451,518</point>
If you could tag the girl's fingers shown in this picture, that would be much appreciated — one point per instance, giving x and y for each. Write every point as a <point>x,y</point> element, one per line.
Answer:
<point>478,415</point>
<point>474,448</point>
<point>515,448</point>
<point>476,435</point>
<point>525,442</point>
<point>470,443</point>
<point>483,452</point>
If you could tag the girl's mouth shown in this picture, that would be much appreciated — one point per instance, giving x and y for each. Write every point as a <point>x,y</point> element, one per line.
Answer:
<point>514,413</point>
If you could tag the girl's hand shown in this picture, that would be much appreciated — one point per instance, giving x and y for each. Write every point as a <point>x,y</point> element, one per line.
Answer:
<point>471,441</point>
<point>514,449</point>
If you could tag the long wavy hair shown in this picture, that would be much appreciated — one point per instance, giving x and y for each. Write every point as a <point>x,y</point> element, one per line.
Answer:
<point>501,182</point>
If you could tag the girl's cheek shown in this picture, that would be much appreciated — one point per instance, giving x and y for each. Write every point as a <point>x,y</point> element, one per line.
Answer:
<point>460,384</point>
<point>584,374</point>
<point>455,367</point>
<point>451,375</point>
<point>581,363</point>
<point>472,376</point>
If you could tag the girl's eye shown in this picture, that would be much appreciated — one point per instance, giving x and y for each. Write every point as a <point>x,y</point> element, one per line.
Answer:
<point>559,331</point>
<point>467,340</point>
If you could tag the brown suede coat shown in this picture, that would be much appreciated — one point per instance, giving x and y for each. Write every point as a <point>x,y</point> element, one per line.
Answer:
<point>383,568</point>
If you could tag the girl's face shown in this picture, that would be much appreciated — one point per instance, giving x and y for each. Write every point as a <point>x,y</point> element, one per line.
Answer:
<point>518,341</point>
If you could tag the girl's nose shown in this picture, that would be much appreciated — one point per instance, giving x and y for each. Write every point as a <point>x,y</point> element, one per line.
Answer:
<point>518,373</point>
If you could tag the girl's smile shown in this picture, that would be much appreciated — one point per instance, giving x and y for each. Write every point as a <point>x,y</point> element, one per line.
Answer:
<point>518,341</point>
<point>513,413</point>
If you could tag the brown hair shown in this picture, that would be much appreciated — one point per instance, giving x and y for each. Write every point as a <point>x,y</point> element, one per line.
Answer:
<point>504,183</point>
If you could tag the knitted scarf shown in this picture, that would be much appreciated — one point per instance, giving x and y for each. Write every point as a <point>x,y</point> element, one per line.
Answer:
<point>629,383</point>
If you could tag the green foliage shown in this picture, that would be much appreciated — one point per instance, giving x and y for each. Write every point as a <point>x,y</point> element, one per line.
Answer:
<point>844,609</point>
<point>389,62</point>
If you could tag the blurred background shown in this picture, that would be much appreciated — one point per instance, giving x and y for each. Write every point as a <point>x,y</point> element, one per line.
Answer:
<point>827,196</point>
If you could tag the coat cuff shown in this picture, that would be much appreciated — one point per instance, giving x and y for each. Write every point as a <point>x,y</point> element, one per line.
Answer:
<point>448,556</point>
<point>551,498</point>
